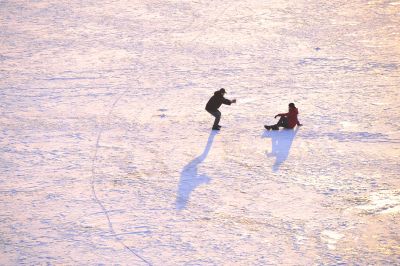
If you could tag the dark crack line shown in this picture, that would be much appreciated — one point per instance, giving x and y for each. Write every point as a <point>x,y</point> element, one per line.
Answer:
<point>96,198</point>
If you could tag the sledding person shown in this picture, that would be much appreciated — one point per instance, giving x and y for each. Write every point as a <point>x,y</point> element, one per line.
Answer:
<point>288,120</point>
<point>214,103</point>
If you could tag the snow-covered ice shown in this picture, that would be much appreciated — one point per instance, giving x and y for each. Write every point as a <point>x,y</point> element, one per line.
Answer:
<point>107,156</point>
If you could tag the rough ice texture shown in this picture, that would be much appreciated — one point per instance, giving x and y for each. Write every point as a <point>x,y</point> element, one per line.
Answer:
<point>106,153</point>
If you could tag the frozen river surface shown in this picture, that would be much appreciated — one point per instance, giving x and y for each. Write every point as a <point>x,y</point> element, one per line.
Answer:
<point>106,152</point>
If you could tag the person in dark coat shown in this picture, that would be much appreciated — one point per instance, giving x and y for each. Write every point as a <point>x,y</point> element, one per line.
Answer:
<point>214,103</point>
<point>288,120</point>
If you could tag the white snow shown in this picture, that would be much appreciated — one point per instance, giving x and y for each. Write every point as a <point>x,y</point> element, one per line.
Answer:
<point>107,156</point>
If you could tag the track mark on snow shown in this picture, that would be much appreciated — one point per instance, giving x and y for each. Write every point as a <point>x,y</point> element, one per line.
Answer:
<point>98,201</point>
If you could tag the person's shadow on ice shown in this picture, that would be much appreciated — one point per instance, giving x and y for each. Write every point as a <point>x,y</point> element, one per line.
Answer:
<point>281,142</point>
<point>190,179</point>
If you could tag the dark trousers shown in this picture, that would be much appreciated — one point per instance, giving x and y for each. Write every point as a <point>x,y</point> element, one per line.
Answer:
<point>217,115</point>
<point>283,122</point>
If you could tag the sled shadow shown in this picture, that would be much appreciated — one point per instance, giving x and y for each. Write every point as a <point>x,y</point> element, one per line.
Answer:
<point>190,179</point>
<point>281,141</point>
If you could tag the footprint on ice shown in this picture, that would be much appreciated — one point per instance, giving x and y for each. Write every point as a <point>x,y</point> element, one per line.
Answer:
<point>162,110</point>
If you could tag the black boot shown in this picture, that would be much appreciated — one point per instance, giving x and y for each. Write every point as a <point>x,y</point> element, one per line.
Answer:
<point>267,127</point>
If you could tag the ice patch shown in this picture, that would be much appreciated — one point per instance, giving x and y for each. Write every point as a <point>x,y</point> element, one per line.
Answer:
<point>383,202</point>
<point>331,238</point>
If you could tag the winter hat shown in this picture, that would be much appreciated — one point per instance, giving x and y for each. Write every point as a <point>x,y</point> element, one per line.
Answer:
<point>222,90</point>
<point>291,105</point>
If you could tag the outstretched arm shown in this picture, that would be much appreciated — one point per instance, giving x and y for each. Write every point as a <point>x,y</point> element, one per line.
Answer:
<point>283,114</point>
<point>228,102</point>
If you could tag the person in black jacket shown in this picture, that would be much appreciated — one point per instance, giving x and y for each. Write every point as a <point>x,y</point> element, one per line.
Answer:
<point>214,103</point>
